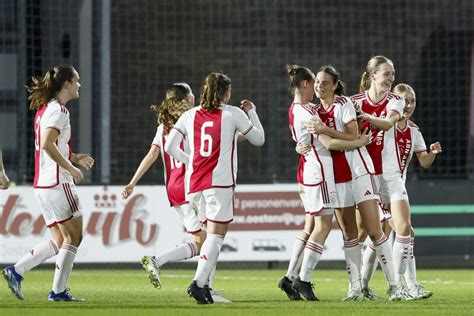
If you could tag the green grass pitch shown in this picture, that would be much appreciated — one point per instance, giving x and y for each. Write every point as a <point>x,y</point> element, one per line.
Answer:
<point>253,292</point>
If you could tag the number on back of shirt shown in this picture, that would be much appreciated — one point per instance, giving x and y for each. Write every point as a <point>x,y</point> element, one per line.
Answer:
<point>205,148</point>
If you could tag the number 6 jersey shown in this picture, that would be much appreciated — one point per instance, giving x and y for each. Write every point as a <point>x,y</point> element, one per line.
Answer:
<point>212,142</point>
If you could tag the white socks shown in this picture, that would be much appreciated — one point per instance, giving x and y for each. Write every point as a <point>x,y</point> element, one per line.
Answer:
<point>353,262</point>
<point>296,258</point>
<point>400,256</point>
<point>384,254</point>
<point>181,252</point>
<point>64,262</point>
<point>39,254</point>
<point>208,258</point>
<point>410,274</point>
<point>369,265</point>
<point>311,256</point>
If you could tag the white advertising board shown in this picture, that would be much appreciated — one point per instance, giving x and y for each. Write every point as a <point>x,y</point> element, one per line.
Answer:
<point>267,219</point>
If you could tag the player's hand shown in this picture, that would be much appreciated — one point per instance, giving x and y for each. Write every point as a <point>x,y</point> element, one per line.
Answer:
<point>363,116</point>
<point>247,105</point>
<point>366,136</point>
<point>302,149</point>
<point>77,174</point>
<point>85,160</point>
<point>127,191</point>
<point>4,181</point>
<point>315,126</point>
<point>435,148</point>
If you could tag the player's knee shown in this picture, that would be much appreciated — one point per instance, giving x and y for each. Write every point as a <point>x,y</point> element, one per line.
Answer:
<point>349,233</point>
<point>404,229</point>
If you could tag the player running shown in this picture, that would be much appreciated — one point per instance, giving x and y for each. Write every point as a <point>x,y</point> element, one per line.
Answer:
<point>179,99</point>
<point>55,181</point>
<point>211,129</point>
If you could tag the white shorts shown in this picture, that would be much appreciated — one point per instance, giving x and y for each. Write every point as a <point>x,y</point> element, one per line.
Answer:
<point>363,188</point>
<point>384,212</point>
<point>216,204</point>
<point>391,188</point>
<point>317,200</point>
<point>59,204</point>
<point>189,218</point>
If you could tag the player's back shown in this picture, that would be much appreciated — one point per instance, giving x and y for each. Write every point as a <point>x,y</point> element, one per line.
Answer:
<point>317,165</point>
<point>212,142</point>
<point>174,170</point>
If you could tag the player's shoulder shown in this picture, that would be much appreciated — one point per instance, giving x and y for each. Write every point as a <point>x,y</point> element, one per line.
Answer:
<point>159,129</point>
<point>308,108</point>
<point>414,126</point>
<point>393,96</point>
<point>357,98</point>
<point>55,106</point>
<point>342,100</point>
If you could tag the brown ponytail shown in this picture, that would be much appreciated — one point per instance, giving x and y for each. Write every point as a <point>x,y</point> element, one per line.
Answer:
<point>42,90</point>
<point>215,86</point>
<point>372,67</point>
<point>297,74</point>
<point>173,106</point>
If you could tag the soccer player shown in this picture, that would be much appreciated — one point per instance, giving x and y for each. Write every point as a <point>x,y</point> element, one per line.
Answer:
<point>379,109</point>
<point>4,181</point>
<point>179,98</point>
<point>355,183</point>
<point>409,140</point>
<point>55,181</point>
<point>316,184</point>
<point>210,129</point>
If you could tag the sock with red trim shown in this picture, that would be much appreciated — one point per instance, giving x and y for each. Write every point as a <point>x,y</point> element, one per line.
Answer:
<point>353,262</point>
<point>312,254</point>
<point>296,259</point>
<point>208,258</point>
<point>64,263</point>
<point>36,256</point>
<point>181,252</point>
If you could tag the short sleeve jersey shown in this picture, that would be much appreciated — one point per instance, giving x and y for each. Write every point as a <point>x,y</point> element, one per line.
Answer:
<point>348,165</point>
<point>48,173</point>
<point>382,149</point>
<point>212,142</point>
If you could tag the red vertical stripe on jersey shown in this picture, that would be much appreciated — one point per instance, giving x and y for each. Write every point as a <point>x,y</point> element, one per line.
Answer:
<point>375,148</point>
<point>342,171</point>
<point>207,144</point>
<point>403,145</point>
<point>37,128</point>
<point>175,172</point>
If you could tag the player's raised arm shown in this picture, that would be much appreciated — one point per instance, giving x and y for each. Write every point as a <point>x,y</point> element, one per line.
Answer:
<point>256,134</point>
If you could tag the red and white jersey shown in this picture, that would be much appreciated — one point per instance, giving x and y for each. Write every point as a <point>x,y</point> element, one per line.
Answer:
<point>48,173</point>
<point>409,140</point>
<point>174,170</point>
<point>382,149</point>
<point>317,165</point>
<point>348,165</point>
<point>212,141</point>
